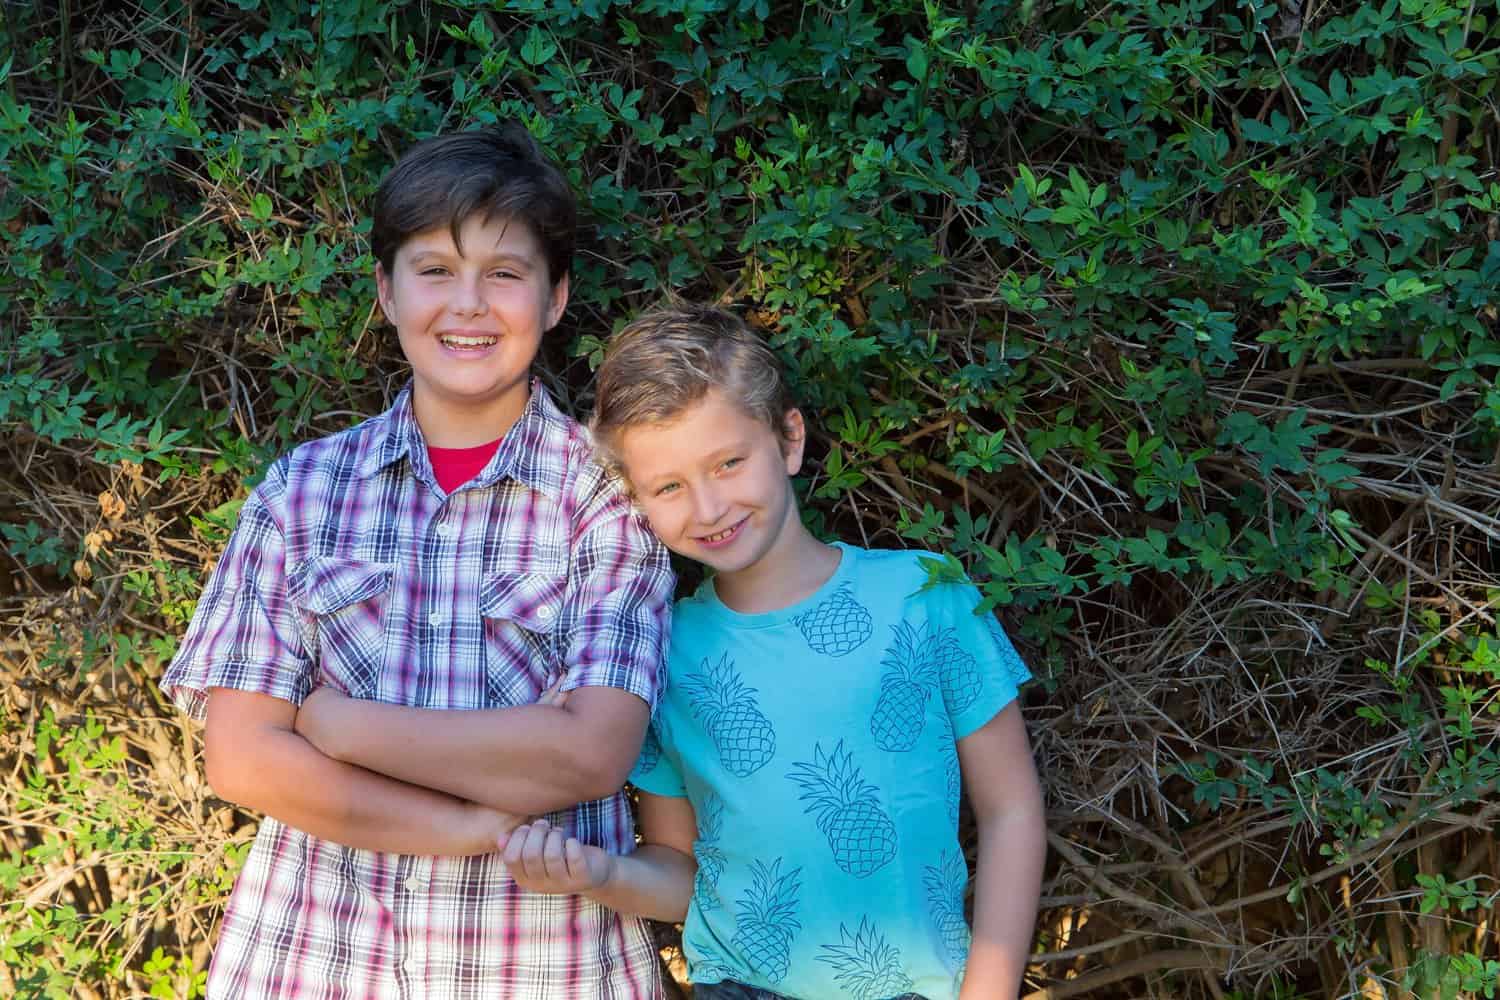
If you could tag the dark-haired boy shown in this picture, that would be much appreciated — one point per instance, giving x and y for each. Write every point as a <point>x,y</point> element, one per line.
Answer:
<point>459,551</point>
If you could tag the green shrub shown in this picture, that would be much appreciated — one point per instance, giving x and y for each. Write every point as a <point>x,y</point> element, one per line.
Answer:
<point>1175,323</point>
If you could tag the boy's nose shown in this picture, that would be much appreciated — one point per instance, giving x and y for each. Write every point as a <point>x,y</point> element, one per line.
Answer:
<point>468,299</point>
<point>708,506</point>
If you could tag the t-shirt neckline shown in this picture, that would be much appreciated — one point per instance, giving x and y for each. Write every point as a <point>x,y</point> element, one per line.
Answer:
<point>709,595</point>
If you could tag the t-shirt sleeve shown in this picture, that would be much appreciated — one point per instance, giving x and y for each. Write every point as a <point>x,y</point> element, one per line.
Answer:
<point>619,607</point>
<point>244,633</point>
<point>656,769</point>
<point>980,672</point>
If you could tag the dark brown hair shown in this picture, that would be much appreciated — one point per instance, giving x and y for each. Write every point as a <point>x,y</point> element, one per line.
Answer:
<point>496,172</point>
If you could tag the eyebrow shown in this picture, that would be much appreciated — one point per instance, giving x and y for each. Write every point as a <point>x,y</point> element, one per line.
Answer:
<point>736,447</point>
<point>514,259</point>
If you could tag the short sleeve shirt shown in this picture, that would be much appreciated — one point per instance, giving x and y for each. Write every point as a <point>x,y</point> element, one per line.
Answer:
<point>350,566</point>
<point>817,745</point>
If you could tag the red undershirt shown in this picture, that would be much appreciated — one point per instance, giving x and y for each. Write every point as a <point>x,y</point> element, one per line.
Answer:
<point>455,466</point>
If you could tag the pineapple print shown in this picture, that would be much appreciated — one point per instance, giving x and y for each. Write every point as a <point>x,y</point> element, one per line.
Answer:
<point>865,965</point>
<point>948,749</point>
<point>767,919</point>
<point>957,671</point>
<point>706,850</point>
<point>904,687</point>
<point>837,626</point>
<point>945,892</point>
<point>1014,668</point>
<point>727,708</point>
<point>861,835</point>
<point>650,752</point>
<point>710,967</point>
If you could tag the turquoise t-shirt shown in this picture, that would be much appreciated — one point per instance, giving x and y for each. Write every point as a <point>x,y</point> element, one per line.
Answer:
<point>817,746</point>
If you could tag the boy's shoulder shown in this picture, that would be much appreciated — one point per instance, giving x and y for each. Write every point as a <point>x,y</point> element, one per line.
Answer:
<point>904,572</point>
<point>337,457</point>
<point>554,454</point>
<point>894,568</point>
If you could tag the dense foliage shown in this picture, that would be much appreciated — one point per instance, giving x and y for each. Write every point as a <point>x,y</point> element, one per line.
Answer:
<point>1175,323</point>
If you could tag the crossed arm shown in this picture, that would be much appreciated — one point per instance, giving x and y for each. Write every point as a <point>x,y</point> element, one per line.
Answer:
<point>526,760</point>
<point>253,757</point>
<point>417,781</point>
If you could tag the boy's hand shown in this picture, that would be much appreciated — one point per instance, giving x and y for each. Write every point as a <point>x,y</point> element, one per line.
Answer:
<point>539,858</point>
<point>317,718</point>
<point>491,827</point>
<point>555,695</point>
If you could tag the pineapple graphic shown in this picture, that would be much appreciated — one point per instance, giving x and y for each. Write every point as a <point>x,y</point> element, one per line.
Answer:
<point>838,625</point>
<point>767,919</point>
<point>650,752</point>
<point>859,832</point>
<point>1014,668</point>
<point>904,687</point>
<point>865,965</point>
<point>957,671</point>
<point>948,749</point>
<point>727,708</point>
<point>945,883</point>
<point>710,967</point>
<point>706,850</point>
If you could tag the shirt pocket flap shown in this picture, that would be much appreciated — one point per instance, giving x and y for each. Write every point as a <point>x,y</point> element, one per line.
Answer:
<point>323,585</point>
<point>530,600</point>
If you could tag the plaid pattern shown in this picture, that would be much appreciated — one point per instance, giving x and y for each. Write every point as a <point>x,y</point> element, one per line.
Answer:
<point>349,567</point>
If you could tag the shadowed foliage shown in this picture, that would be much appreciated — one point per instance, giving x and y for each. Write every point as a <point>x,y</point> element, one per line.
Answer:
<point>1175,323</point>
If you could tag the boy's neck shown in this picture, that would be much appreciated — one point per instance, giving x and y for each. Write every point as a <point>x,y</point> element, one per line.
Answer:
<point>449,423</point>
<point>791,572</point>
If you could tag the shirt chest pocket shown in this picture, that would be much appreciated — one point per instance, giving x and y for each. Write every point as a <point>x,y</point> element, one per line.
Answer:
<point>521,614</point>
<point>344,605</point>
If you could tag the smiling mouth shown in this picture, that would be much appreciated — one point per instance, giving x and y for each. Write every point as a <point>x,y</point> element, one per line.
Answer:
<point>725,535</point>
<point>462,343</point>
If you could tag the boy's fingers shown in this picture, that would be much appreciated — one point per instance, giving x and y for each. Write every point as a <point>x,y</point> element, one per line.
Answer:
<point>523,853</point>
<point>578,866</point>
<point>554,695</point>
<point>552,855</point>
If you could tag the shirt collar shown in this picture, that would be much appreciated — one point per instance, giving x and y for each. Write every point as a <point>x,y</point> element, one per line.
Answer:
<point>533,451</point>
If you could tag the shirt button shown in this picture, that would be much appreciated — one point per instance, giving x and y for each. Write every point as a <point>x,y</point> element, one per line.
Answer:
<point>545,612</point>
<point>445,530</point>
<point>413,884</point>
<point>411,963</point>
<point>436,618</point>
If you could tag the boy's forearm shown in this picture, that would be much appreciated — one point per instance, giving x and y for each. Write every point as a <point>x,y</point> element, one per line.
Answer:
<point>528,759</point>
<point>655,882</point>
<point>1012,853</point>
<point>276,772</point>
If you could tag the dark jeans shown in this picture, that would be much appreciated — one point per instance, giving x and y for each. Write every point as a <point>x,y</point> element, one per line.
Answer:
<point>731,990</point>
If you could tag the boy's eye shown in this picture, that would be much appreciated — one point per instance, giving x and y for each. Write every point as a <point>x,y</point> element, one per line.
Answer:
<point>666,488</point>
<point>730,463</point>
<point>430,271</point>
<point>503,274</point>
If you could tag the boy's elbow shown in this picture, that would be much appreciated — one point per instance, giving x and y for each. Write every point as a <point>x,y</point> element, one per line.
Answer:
<point>222,770</point>
<point>606,777</point>
<point>597,773</point>
<point>592,771</point>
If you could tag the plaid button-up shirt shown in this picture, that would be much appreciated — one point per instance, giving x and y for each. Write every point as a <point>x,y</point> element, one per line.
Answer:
<point>350,566</point>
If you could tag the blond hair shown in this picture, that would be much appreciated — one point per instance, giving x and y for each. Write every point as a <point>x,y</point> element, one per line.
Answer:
<point>668,359</point>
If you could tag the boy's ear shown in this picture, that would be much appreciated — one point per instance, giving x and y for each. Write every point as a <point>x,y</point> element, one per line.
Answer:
<point>793,440</point>
<point>558,302</point>
<point>383,291</point>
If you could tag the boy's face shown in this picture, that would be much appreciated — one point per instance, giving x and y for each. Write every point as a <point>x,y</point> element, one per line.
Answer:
<point>714,482</point>
<point>470,323</point>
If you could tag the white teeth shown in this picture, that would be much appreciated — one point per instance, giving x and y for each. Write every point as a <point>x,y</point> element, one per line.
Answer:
<point>720,536</point>
<point>453,340</point>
